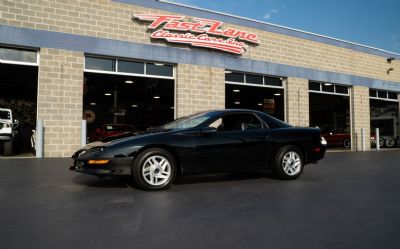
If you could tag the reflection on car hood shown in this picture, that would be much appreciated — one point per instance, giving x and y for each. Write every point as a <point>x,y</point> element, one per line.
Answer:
<point>132,134</point>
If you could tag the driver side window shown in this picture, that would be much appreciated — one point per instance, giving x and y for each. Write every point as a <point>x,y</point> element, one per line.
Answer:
<point>237,122</point>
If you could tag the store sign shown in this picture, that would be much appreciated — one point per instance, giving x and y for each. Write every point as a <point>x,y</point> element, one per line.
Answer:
<point>199,33</point>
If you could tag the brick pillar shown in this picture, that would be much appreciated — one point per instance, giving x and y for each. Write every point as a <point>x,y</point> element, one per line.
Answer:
<point>199,88</point>
<point>297,102</point>
<point>60,100</point>
<point>360,117</point>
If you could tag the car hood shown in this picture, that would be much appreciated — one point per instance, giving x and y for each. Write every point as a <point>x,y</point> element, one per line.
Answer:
<point>122,144</point>
<point>108,141</point>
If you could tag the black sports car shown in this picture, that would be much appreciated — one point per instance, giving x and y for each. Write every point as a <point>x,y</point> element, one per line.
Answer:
<point>207,142</point>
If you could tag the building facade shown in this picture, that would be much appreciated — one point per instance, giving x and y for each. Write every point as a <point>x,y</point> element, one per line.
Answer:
<point>110,61</point>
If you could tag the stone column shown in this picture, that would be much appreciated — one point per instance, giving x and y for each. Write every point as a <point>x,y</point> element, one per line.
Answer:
<point>60,90</point>
<point>360,117</point>
<point>199,88</point>
<point>297,102</point>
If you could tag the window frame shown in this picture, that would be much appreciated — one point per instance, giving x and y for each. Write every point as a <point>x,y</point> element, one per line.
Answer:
<point>263,125</point>
<point>13,62</point>
<point>116,72</point>
<point>334,85</point>
<point>387,95</point>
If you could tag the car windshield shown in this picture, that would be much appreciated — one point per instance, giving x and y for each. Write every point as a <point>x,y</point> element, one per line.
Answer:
<point>5,115</point>
<point>187,122</point>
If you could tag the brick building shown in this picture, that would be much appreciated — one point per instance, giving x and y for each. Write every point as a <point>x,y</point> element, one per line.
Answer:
<point>101,60</point>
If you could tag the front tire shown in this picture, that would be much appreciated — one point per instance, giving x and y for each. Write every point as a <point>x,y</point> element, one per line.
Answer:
<point>381,142</point>
<point>288,163</point>
<point>154,169</point>
<point>8,148</point>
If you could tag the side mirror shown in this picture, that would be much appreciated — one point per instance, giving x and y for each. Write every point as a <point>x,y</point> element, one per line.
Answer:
<point>16,124</point>
<point>207,131</point>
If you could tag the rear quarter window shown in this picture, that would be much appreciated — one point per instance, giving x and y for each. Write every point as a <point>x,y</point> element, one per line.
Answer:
<point>273,123</point>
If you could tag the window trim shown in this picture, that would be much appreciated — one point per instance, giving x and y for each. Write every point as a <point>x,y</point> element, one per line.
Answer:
<point>116,72</point>
<point>325,92</point>
<point>256,85</point>
<point>387,95</point>
<point>227,71</point>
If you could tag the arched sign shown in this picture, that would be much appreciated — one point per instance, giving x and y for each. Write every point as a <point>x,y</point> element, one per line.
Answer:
<point>199,33</point>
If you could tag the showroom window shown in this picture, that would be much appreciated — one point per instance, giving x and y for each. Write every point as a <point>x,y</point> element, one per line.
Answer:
<point>384,114</point>
<point>21,56</point>
<point>247,78</point>
<point>383,95</point>
<point>19,70</point>
<point>98,64</point>
<point>326,87</point>
<point>329,109</point>
<point>124,95</point>
<point>255,91</point>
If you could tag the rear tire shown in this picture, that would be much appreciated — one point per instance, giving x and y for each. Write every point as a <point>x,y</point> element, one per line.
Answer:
<point>390,142</point>
<point>288,163</point>
<point>8,148</point>
<point>154,169</point>
<point>346,143</point>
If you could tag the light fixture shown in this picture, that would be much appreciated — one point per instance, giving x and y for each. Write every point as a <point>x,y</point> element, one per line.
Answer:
<point>172,107</point>
<point>107,94</point>
<point>259,104</point>
<point>227,71</point>
<point>390,69</point>
<point>92,103</point>
<point>327,84</point>
<point>277,94</point>
<point>159,64</point>
<point>236,90</point>
<point>237,103</point>
<point>389,60</point>
<point>134,106</point>
<point>128,81</point>
<point>156,97</point>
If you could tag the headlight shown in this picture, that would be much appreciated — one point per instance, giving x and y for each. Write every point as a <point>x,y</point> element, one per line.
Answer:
<point>95,149</point>
<point>323,141</point>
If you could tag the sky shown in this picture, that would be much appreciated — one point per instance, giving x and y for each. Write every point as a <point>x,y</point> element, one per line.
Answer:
<point>373,23</point>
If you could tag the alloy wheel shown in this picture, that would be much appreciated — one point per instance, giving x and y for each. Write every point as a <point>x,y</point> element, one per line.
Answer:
<point>156,170</point>
<point>291,163</point>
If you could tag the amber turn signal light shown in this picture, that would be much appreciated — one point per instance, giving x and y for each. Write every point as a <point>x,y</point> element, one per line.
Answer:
<point>102,161</point>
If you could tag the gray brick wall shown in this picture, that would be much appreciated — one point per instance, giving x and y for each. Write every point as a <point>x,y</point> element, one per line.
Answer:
<point>297,102</point>
<point>60,100</point>
<point>199,88</point>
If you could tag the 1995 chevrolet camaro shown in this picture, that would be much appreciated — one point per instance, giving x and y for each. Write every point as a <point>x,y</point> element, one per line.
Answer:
<point>208,142</point>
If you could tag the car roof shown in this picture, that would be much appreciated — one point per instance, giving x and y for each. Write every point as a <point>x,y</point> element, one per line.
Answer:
<point>223,111</point>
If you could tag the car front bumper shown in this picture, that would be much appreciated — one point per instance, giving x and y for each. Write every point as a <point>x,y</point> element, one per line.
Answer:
<point>5,138</point>
<point>115,167</point>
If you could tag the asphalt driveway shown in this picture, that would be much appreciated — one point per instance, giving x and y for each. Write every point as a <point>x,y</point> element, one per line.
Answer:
<point>348,200</point>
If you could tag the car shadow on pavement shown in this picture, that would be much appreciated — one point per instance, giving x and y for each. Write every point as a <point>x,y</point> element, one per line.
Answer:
<point>223,177</point>
<point>107,182</point>
<point>126,182</point>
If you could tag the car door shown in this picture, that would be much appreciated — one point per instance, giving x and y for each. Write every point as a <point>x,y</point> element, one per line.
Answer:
<point>254,151</point>
<point>239,143</point>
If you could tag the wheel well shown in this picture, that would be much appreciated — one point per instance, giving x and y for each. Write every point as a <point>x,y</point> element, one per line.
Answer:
<point>165,147</point>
